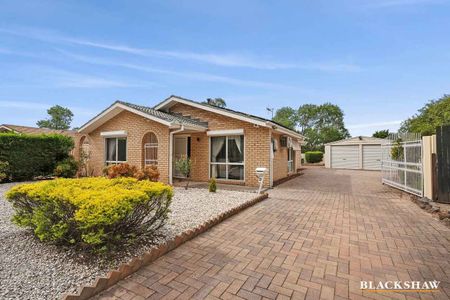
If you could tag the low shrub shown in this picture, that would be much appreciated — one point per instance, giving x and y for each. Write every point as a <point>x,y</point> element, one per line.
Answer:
<point>67,168</point>
<point>120,170</point>
<point>3,170</point>
<point>313,156</point>
<point>125,170</point>
<point>30,156</point>
<point>94,213</point>
<point>147,173</point>
<point>212,185</point>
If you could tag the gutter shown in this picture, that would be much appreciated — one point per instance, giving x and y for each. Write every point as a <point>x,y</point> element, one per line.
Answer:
<point>171,151</point>
<point>285,131</point>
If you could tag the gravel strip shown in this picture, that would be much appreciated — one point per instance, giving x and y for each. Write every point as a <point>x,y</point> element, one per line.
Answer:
<point>30,269</point>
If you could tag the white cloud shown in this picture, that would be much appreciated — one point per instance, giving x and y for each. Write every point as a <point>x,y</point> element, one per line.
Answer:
<point>373,125</point>
<point>188,75</point>
<point>367,129</point>
<point>225,60</point>
<point>49,77</point>
<point>391,3</point>
<point>23,105</point>
<point>40,106</point>
<point>74,80</point>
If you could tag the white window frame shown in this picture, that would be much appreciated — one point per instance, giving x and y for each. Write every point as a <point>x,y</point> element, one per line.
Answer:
<point>290,163</point>
<point>151,162</point>
<point>115,162</point>
<point>226,157</point>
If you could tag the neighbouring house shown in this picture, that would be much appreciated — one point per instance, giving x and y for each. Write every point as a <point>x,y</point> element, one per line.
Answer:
<point>221,143</point>
<point>361,152</point>
<point>36,130</point>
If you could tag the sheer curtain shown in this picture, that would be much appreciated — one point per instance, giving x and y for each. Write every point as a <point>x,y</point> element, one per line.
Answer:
<point>235,153</point>
<point>111,150</point>
<point>217,143</point>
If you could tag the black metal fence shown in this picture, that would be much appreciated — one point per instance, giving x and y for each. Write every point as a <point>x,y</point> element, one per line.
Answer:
<point>443,163</point>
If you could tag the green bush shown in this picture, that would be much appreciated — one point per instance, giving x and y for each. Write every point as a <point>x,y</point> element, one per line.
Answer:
<point>95,213</point>
<point>3,170</point>
<point>212,185</point>
<point>67,168</point>
<point>313,156</point>
<point>29,156</point>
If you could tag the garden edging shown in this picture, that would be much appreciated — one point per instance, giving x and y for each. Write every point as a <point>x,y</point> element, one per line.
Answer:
<point>126,269</point>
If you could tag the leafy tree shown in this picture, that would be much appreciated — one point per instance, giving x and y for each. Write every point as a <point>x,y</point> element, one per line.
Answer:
<point>60,118</point>
<point>306,116</point>
<point>434,114</point>
<point>321,124</point>
<point>381,134</point>
<point>219,102</point>
<point>286,116</point>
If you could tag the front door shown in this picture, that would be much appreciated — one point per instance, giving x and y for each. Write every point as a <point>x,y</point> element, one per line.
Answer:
<point>180,147</point>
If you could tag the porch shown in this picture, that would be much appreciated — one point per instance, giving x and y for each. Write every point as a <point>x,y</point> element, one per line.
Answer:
<point>214,154</point>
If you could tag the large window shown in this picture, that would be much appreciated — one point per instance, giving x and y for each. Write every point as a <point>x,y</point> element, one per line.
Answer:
<point>116,150</point>
<point>150,149</point>
<point>227,157</point>
<point>291,160</point>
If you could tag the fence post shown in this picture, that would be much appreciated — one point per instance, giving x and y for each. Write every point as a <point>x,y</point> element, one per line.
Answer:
<point>427,162</point>
<point>443,162</point>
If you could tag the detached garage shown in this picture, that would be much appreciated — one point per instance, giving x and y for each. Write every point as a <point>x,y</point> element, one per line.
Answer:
<point>355,153</point>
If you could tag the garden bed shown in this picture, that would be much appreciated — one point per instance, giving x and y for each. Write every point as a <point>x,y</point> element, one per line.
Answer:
<point>31,269</point>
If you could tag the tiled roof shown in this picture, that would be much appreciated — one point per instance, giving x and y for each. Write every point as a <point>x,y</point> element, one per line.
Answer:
<point>250,116</point>
<point>37,130</point>
<point>169,117</point>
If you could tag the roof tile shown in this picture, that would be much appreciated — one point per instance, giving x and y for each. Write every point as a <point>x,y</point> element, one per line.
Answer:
<point>170,117</point>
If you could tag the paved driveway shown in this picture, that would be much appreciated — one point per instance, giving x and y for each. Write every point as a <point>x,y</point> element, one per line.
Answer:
<point>316,237</point>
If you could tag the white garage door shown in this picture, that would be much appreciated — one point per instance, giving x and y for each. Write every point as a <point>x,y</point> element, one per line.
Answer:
<point>372,157</point>
<point>345,157</point>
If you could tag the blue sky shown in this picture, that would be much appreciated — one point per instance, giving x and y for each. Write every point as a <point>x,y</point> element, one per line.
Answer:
<point>380,60</point>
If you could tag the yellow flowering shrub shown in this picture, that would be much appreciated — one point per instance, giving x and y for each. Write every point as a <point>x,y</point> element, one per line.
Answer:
<point>93,212</point>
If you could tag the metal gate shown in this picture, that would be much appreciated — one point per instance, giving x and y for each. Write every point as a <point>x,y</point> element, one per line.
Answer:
<point>401,162</point>
<point>443,163</point>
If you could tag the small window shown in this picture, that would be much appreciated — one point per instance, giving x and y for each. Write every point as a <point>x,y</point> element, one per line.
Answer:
<point>150,149</point>
<point>291,155</point>
<point>116,150</point>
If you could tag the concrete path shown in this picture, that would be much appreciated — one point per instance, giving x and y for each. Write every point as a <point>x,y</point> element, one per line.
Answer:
<point>316,237</point>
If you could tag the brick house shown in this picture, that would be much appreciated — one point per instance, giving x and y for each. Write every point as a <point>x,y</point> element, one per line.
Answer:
<point>222,143</point>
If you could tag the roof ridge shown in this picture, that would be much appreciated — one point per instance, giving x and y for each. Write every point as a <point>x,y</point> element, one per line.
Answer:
<point>34,127</point>
<point>163,115</point>
<point>229,110</point>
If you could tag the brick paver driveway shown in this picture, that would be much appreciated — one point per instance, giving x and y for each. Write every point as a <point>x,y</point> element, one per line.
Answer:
<point>316,237</point>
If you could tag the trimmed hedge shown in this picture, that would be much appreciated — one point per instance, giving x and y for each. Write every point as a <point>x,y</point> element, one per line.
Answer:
<point>3,168</point>
<point>29,156</point>
<point>94,213</point>
<point>313,156</point>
